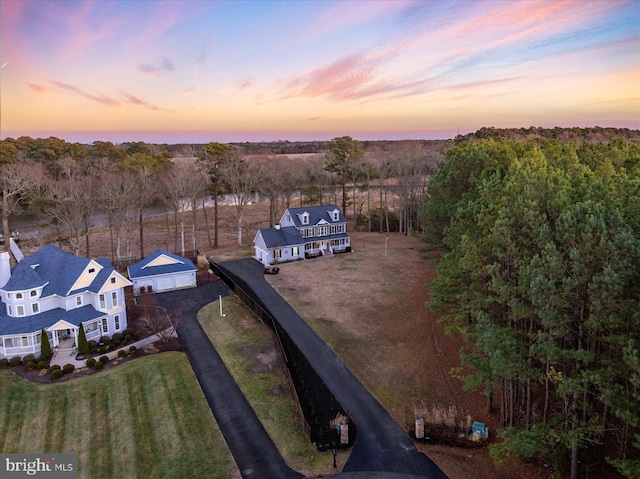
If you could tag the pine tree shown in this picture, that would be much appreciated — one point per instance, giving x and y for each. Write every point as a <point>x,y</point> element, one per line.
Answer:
<point>83,345</point>
<point>45,346</point>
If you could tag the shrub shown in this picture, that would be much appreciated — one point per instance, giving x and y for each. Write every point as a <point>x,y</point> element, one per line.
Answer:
<point>28,358</point>
<point>83,345</point>
<point>116,343</point>
<point>15,361</point>
<point>55,366</point>
<point>106,340</point>
<point>98,366</point>
<point>122,353</point>
<point>102,350</point>
<point>128,338</point>
<point>93,344</point>
<point>127,332</point>
<point>68,368</point>
<point>57,373</point>
<point>30,365</point>
<point>45,345</point>
<point>117,337</point>
<point>4,362</point>
<point>42,364</point>
<point>104,359</point>
<point>90,362</point>
<point>132,349</point>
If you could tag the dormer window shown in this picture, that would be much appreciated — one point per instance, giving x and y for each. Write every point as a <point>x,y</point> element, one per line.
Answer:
<point>79,301</point>
<point>305,218</point>
<point>92,270</point>
<point>336,216</point>
<point>33,293</point>
<point>18,295</point>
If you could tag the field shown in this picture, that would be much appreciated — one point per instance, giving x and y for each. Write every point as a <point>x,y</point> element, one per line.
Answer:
<point>370,308</point>
<point>145,418</point>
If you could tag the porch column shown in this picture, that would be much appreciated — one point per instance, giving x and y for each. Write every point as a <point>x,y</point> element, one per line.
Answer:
<point>75,336</point>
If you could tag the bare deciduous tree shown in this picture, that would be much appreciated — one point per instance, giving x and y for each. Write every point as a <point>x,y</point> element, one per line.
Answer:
<point>242,177</point>
<point>159,321</point>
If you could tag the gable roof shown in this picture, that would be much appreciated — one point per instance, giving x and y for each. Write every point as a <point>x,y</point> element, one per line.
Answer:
<point>160,262</point>
<point>316,214</point>
<point>56,270</point>
<point>285,236</point>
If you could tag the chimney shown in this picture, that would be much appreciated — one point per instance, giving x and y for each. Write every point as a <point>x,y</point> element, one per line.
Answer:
<point>5,268</point>
<point>277,226</point>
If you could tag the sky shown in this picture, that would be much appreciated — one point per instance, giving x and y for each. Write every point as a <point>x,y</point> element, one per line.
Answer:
<point>199,71</point>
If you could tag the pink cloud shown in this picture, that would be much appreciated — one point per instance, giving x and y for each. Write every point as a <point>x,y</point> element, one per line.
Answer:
<point>38,88</point>
<point>158,68</point>
<point>102,99</point>
<point>133,100</point>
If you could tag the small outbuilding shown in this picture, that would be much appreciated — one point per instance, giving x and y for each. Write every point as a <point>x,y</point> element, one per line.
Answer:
<point>162,271</point>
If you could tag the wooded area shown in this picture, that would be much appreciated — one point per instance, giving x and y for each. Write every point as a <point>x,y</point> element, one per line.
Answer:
<point>542,272</point>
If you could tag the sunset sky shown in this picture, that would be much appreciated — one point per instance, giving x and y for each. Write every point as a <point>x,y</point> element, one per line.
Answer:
<point>200,71</point>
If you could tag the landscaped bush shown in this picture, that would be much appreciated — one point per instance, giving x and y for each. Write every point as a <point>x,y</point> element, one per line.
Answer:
<point>30,365</point>
<point>102,350</point>
<point>55,366</point>
<point>116,343</point>
<point>104,359</point>
<point>57,373</point>
<point>122,353</point>
<point>15,361</point>
<point>29,357</point>
<point>4,362</point>
<point>93,344</point>
<point>117,337</point>
<point>68,368</point>
<point>106,340</point>
<point>111,347</point>
<point>128,338</point>
<point>90,362</point>
<point>42,364</point>
<point>127,332</point>
<point>98,366</point>
<point>132,349</point>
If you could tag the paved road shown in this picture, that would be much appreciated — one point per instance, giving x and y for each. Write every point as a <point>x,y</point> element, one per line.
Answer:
<point>381,445</point>
<point>252,448</point>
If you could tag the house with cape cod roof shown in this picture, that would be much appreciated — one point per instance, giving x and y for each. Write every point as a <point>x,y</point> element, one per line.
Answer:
<point>162,271</point>
<point>303,233</point>
<point>55,291</point>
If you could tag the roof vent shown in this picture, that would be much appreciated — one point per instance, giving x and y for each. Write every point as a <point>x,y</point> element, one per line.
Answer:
<point>277,226</point>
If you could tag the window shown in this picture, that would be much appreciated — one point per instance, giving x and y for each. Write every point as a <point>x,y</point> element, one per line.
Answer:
<point>18,295</point>
<point>113,280</point>
<point>335,216</point>
<point>25,340</point>
<point>105,327</point>
<point>10,310</point>
<point>33,293</point>
<point>333,230</point>
<point>91,327</point>
<point>38,338</point>
<point>277,253</point>
<point>92,270</point>
<point>305,218</point>
<point>35,308</point>
<point>309,231</point>
<point>103,303</point>
<point>117,321</point>
<point>79,301</point>
<point>20,310</point>
<point>114,298</point>
<point>322,231</point>
<point>295,251</point>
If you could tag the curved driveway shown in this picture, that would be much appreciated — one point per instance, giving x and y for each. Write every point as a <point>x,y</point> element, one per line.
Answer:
<point>251,447</point>
<point>381,445</point>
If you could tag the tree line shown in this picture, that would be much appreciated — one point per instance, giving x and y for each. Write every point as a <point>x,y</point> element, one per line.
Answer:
<point>542,274</point>
<point>66,184</point>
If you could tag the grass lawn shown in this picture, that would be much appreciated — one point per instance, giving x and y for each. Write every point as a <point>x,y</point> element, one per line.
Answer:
<point>146,418</point>
<point>249,350</point>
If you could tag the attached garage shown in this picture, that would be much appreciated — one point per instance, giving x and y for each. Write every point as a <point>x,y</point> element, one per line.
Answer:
<point>162,271</point>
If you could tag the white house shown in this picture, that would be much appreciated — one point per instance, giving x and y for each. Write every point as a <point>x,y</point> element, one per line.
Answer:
<point>162,271</point>
<point>55,291</point>
<point>303,233</point>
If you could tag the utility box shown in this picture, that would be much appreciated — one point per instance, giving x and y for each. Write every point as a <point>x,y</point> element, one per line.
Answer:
<point>419,428</point>
<point>479,430</point>
<point>344,433</point>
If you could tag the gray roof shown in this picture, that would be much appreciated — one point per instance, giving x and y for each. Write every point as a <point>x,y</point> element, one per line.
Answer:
<point>56,269</point>
<point>316,214</point>
<point>140,269</point>
<point>286,236</point>
<point>38,322</point>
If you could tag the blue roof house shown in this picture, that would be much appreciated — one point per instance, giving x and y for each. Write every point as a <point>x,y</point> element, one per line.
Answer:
<point>303,233</point>
<point>55,291</point>
<point>162,271</point>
